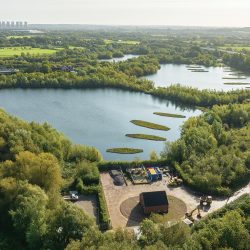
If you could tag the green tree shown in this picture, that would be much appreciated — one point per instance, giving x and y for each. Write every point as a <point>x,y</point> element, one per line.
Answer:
<point>42,170</point>
<point>153,156</point>
<point>66,222</point>
<point>28,214</point>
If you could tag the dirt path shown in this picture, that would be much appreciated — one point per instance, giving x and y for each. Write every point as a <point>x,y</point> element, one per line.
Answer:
<point>115,195</point>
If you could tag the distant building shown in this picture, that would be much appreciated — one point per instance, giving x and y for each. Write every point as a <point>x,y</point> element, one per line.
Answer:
<point>154,202</point>
<point>11,25</point>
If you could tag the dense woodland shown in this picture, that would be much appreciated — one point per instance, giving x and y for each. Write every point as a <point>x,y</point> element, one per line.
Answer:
<point>213,154</point>
<point>32,171</point>
<point>38,164</point>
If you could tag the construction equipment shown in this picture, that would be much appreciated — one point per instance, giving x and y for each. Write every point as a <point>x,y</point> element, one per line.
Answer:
<point>190,214</point>
<point>206,200</point>
<point>175,182</point>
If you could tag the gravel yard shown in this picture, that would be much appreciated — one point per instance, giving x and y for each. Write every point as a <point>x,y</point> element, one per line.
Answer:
<point>115,195</point>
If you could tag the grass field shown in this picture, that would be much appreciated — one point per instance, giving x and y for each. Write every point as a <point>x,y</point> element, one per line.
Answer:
<point>150,125</point>
<point>235,47</point>
<point>124,150</point>
<point>177,209</point>
<point>9,37</point>
<point>17,51</point>
<point>169,115</point>
<point>146,137</point>
<point>107,41</point>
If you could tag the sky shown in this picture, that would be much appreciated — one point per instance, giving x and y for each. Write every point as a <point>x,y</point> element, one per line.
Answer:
<point>232,13</point>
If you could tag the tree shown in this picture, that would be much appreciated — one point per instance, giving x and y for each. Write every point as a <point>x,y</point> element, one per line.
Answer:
<point>175,235</point>
<point>80,153</point>
<point>66,222</point>
<point>28,214</point>
<point>149,232</point>
<point>42,169</point>
<point>88,172</point>
<point>153,156</point>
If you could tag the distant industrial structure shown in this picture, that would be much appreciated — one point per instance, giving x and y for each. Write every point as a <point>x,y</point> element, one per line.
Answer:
<point>11,25</point>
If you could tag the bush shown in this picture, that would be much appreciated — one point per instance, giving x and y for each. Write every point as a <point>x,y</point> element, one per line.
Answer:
<point>79,185</point>
<point>105,223</point>
<point>79,153</point>
<point>88,173</point>
<point>116,165</point>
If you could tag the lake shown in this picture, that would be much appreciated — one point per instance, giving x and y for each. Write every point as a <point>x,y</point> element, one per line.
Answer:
<point>213,79</point>
<point>97,117</point>
<point>119,59</point>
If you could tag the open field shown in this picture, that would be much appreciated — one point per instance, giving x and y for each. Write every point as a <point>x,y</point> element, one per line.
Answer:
<point>107,41</point>
<point>150,125</point>
<point>169,115</point>
<point>146,137</point>
<point>14,37</point>
<point>17,51</point>
<point>124,150</point>
<point>235,47</point>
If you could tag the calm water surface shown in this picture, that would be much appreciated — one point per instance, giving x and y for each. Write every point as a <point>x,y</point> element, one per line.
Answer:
<point>98,118</point>
<point>173,73</point>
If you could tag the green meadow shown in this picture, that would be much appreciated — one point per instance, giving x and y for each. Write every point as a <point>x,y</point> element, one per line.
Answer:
<point>17,51</point>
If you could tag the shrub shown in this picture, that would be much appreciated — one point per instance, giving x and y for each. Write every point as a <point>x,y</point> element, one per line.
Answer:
<point>116,165</point>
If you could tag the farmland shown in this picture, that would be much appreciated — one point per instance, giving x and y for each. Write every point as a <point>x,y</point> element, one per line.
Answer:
<point>18,51</point>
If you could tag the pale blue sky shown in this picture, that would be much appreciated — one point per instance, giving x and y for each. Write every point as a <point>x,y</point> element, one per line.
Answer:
<point>129,12</point>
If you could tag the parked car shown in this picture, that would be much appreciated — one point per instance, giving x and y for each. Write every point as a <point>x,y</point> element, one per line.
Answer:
<point>74,195</point>
<point>117,177</point>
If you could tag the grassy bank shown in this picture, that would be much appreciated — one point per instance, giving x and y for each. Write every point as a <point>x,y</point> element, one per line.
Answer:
<point>146,137</point>
<point>150,125</point>
<point>124,150</point>
<point>169,115</point>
